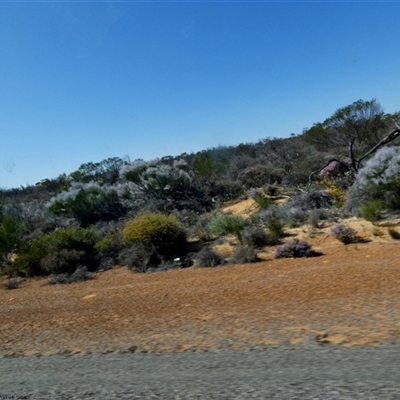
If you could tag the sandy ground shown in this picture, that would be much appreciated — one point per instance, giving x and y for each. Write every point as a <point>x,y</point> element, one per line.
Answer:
<point>350,295</point>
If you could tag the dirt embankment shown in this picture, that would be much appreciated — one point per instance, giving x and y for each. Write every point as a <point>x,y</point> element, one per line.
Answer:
<point>347,296</point>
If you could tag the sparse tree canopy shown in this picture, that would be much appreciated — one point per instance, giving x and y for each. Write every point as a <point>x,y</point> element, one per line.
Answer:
<point>361,123</point>
<point>361,128</point>
<point>104,172</point>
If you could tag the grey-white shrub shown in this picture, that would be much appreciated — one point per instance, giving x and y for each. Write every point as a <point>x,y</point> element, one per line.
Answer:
<point>89,203</point>
<point>167,185</point>
<point>158,179</point>
<point>284,212</point>
<point>300,207</point>
<point>34,217</point>
<point>378,179</point>
<point>310,200</point>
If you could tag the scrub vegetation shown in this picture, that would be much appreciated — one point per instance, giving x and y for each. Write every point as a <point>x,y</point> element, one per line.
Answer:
<point>166,213</point>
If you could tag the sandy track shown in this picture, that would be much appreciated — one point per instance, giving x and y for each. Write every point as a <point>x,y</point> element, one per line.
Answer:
<point>348,296</point>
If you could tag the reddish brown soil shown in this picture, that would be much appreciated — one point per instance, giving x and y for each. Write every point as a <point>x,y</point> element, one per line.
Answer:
<point>348,296</point>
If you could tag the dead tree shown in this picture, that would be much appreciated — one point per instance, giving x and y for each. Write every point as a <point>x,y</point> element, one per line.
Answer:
<point>356,162</point>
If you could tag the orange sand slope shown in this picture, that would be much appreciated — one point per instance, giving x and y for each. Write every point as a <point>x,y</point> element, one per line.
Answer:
<point>348,296</point>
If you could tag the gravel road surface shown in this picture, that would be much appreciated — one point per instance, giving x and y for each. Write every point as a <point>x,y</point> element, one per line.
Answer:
<point>295,372</point>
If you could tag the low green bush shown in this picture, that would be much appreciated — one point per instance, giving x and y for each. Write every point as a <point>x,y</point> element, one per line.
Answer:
<point>372,210</point>
<point>262,201</point>
<point>164,232</point>
<point>9,236</point>
<point>60,251</point>
<point>275,226</point>
<point>227,225</point>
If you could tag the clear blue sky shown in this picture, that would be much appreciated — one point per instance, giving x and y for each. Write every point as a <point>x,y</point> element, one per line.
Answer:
<point>84,81</point>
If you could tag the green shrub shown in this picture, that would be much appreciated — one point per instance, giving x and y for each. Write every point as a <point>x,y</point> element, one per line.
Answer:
<point>89,203</point>
<point>372,210</point>
<point>159,180</point>
<point>29,257</point>
<point>275,226</point>
<point>9,236</point>
<point>259,197</point>
<point>227,225</point>
<point>60,251</point>
<point>160,230</point>
<point>292,223</point>
<point>262,201</point>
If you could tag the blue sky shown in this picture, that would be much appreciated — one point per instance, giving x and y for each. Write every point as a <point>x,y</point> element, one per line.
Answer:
<point>84,81</point>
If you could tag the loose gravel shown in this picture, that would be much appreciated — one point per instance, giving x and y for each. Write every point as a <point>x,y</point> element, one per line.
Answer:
<point>293,372</point>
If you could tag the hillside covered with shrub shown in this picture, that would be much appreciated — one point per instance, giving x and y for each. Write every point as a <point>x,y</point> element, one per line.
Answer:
<point>166,213</point>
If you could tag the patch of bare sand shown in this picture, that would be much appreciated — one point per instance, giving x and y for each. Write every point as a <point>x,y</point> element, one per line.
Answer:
<point>244,208</point>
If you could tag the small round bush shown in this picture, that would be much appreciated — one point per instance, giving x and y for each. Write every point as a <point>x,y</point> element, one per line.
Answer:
<point>344,233</point>
<point>372,210</point>
<point>262,201</point>
<point>226,225</point>
<point>160,230</point>
<point>140,257</point>
<point>244,255</point>
<point>255,237</point>
<point>293,248</point>
<point>208,258</point>
<point>275,227</point>
<point>394,234</point>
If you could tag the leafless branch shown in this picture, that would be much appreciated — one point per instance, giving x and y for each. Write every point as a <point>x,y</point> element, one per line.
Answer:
<point>389,138</point>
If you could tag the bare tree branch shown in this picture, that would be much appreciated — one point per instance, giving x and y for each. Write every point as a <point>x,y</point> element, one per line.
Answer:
<point>355,163</point>
<point>389,138</point>
<point>351,155</point>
